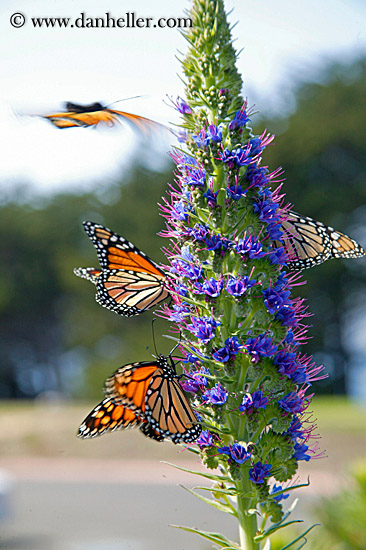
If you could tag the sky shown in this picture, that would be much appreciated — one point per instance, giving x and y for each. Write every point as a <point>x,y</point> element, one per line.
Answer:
<point>41,68</point>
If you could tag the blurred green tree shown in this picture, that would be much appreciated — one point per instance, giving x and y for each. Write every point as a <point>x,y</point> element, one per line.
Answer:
<point>322,149</point>
<point>54,336</point>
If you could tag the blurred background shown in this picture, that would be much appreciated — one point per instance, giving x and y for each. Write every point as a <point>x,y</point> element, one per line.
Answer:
<point>304,68</point>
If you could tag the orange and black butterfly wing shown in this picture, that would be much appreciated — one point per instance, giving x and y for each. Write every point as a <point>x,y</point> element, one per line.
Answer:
<point>129,385</point>
<point>128,293</point>
<point>149,431</point>
<point>152,390</point>
<point>168,410</point>
<point>131,282</point>
<point>89,273</point>
<point>78,115</point>
<point>108,416</point>
<point>309,242</point>
<point>343,246</point>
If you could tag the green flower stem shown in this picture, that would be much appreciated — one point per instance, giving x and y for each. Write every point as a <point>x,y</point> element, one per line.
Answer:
<point>247,521</point>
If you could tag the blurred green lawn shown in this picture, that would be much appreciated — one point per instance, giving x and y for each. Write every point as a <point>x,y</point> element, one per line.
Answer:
<point>47,429</point>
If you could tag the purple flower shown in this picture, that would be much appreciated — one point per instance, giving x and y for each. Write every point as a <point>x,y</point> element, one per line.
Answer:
<point>199,232</point>
<point>292,403</point>
<point>267,211</point>
<point>259,472</point>
<point>250,246</point>
<point>229,351</point>
<point>203,328</point>
<point>296,430</point>
<point>272,300</point>
<point>261,346</point>
<point>240,119</point>
<point>182,107</point>
<point>237,286</point>
<point>184,269</point>
<point>286,363</point>
<point>276,489</point>
<point>287,316</point>
<point>236,157</point>
<point>196,380</point>
<point>205,439</point>
<point>222,355</point>
<point>179,211</point>
<point>257,176</point>
<point>195,177</point>
<point>253,402</point>
<point>236,452</point>
<point>200,139</point>
<point>300,452</point>
<point>235,192</point>
<point>275,232</point>
<point>279,256</point>
<point>233,345</point>
<point>256,146</point>
<point>214,133</point>
<point>211,287</point>
<point>216,395</point>
<point>239,453</point>
<point>216,242</point>
<point>179,313</point>
<point>211,198</point>
<point>182,290</point>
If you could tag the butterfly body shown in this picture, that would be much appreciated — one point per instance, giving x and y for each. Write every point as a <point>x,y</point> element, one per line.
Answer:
<point>78,115</point>
<point>148,395</point>
<point>129,282</point>
<point>309,242</point>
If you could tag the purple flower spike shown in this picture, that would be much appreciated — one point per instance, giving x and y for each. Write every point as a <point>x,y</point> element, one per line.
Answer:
<point>259,472</point>
<point>203,328</point>
<point>216,396</point>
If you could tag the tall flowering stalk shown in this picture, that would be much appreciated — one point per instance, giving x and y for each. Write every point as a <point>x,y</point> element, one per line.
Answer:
<point>231,295</point>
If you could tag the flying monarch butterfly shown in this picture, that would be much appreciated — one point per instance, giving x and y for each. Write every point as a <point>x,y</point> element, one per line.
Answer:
<point>107,416</point>
<point>152,391</point>
<point>129,282</point>
<point>309,242</point>
<point>90,115</point>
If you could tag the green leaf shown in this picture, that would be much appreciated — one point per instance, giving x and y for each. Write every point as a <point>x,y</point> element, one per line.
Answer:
<point>231,491</point>
<point>275,528</point>
<point>213,477</point>
<point>227,508</point>
<point>217,538</point>
<point>300,537</point>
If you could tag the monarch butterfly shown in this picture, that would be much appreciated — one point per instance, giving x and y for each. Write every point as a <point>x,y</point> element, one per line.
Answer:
<point>309,242</point>
<point>93,114</point>
<point>129,282</point>
<point>148,395</point>
<point>107,417</point>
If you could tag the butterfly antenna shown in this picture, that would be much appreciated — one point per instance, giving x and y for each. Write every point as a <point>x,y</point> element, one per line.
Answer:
<point>178,344</point>
<point>125,99</point>
<point>153,335</point>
